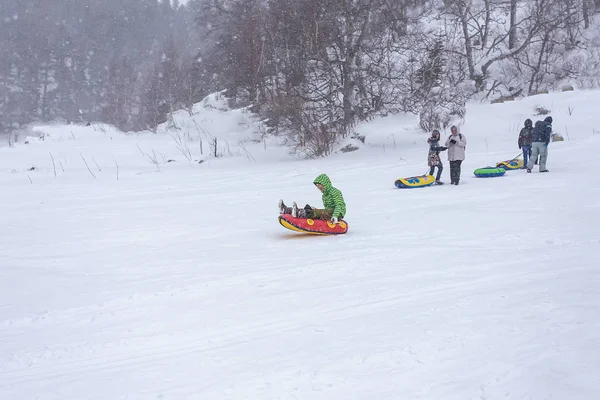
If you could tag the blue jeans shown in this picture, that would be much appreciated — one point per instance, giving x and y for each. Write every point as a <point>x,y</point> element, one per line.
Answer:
<point>526,154</point>
<point>440,168</point>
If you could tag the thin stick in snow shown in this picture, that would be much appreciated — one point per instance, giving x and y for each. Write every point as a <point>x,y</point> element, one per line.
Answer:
<point>61,166</point>
<point>215,146</point>
<point>182,146</point>
<point>154,160</point>
<point>152,157</point>
<point>30,181</point>
<point>53,164</point>
<point>117,168</point>
<point>97,166</point>
<point>88,167</point>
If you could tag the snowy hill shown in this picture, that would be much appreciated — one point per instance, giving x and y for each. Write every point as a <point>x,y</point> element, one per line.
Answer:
<point>175,280</point>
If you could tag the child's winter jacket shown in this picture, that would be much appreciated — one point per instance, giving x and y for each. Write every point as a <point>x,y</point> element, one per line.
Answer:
<point>332,197</point>
<point>433,158</point>
<point>525,137</point>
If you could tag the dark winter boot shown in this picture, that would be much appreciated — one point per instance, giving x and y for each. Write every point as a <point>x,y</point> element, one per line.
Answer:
<point>298,212</point>
<point>283,209</point>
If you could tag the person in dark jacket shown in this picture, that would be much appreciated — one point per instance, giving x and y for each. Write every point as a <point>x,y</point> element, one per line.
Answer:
<point>433,158</point>
<point>540,138</point>
<point>525,141</point>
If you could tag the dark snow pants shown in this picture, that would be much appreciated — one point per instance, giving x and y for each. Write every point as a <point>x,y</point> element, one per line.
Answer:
<point>316,213</point>
<point>455,171</point>
<point>311,212</point>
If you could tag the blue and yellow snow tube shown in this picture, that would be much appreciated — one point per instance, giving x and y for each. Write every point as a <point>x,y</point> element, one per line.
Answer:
<point>511,164</point>
<point>415,182</point>
<point>489,172</point>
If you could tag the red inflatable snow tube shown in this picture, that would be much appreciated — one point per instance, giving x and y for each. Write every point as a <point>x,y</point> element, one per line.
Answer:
<point>313,226</point>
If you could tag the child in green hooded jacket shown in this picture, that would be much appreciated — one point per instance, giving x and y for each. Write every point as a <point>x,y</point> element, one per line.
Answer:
<point>334,207</point>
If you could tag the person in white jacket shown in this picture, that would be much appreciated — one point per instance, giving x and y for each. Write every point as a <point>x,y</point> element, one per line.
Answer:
<point>456,144</point>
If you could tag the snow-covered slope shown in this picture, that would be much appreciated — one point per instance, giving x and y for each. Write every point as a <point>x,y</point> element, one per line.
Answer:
<point>176,282</point>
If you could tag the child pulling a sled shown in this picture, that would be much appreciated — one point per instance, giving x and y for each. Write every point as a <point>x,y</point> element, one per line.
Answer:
<point>334,207</point>
<point>524,141</point>
<point>433,158</point>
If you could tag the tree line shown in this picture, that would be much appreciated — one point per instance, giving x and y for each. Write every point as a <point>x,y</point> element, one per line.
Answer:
<point>312,68</point>
<point>106,60</point>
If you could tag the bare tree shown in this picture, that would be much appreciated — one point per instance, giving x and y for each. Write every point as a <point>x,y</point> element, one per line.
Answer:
<point>485,39</point>
<point>512,34</point>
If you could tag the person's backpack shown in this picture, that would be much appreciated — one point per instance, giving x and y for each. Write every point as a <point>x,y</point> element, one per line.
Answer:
<point>539,126</point>
<point>538,131</point>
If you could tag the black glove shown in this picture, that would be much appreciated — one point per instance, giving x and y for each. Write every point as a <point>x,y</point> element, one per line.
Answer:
<point>452,141</point>
<point>444,148</point>
<point>519,147</point>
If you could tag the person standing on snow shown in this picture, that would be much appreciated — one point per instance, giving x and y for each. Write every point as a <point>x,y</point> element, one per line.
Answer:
<point>433,158</point>
<point>456,145</point>
<point>540,138</point>
<point>525,141</point>
<point>333,203</point>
